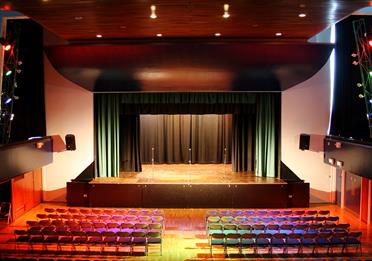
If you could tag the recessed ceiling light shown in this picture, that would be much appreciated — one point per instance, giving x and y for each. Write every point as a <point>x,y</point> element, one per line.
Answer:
<point>278,34</point>
<point>78,18</point>
<point>217,34</point>
<point>226,11</point>
<point>153,12</point>
<point>159,35</point>
<point>99,35</point>
<point>302,15</point>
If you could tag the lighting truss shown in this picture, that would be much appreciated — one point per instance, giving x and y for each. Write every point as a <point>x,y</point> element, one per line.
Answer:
<point>365,66</point>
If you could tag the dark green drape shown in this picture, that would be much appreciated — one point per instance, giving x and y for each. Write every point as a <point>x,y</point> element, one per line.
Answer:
<point>130,157</point>
<point>265,135</point>
<point>107,128</point>
<point>243,142</point>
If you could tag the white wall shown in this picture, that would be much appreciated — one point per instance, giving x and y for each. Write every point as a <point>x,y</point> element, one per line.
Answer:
<point>305,109</point>
<point>69,109</point>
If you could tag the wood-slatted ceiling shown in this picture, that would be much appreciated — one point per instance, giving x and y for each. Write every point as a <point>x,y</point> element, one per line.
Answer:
<point>127,19</point>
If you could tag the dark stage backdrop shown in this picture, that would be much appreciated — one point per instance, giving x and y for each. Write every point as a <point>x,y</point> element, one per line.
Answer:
<point>168,138</point>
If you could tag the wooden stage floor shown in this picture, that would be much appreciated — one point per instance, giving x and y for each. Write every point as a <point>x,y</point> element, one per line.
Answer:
<point>186,186</point>
<point>188,174</point>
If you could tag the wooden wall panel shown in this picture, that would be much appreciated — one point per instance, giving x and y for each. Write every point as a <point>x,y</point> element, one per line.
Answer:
<point>26,192</point>
<point>364,200</point>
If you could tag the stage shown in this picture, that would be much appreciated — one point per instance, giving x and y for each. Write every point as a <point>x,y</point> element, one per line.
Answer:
<point>187,186</point>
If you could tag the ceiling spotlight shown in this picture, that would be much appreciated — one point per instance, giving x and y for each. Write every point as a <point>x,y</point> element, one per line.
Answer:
<point>226,11</point>
<point>302,15</point>
<point>370,100</point>
<point>370,73</point>
<point>19,62</point>
<point>361,96</point>
<point>153,12</point>
<point>217,34</point>
<point>355,63</point>
<point>159,35</point>
<point>99,35</point>
<point>354,55</point>
<point>278,34</point>
<point>359,85</point>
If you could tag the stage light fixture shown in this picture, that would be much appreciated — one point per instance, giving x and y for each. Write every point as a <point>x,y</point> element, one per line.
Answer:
<point>5,44</point>
<point>153,12</point>
<point>370,43</point>
<point>354,55</point>
<point>370,100</point>
<point>370,73</point>
<point>7,100</point>
<point>359,85</point>
<point>355,63</point>
<point>226,11</point>
<point>8,72</point>
<point>7,47</point>
<point>361,96</point>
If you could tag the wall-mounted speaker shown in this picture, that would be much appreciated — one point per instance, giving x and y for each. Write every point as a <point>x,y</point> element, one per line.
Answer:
<point>304,141</point>
<point>70,142</point>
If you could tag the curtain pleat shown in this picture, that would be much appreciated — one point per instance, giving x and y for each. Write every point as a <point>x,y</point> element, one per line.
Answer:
<point>265,136</point>
<point>107,139</point>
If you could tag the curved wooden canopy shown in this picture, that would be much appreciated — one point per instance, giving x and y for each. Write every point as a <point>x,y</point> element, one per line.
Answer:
<point>189,66</point>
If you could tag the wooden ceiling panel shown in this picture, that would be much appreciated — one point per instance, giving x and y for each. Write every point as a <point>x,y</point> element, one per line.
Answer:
<point>117,19</point>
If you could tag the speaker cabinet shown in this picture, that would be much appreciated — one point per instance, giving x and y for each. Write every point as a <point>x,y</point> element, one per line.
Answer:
<point>70,142</point>
<point>304,141</point>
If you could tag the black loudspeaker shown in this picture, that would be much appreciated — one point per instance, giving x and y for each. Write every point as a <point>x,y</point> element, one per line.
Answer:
<point>70,142</point>
<point>304,141</point>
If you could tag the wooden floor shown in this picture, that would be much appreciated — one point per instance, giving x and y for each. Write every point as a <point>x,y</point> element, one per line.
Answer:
<point>188,174</point>
<point>185,237</point>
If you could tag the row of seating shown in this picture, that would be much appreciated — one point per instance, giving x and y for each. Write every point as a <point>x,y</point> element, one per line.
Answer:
<point>270,212</point>
<point>284,242</point>
<point>107,211</point>
<point>92,226</point>
<point>272,219</point>
<point>101,217</point>
<point>56,241</point>
<point>276,228</point>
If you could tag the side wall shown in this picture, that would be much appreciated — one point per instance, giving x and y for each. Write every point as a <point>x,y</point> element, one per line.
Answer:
<point>69,110</point>
<point>305,109</point>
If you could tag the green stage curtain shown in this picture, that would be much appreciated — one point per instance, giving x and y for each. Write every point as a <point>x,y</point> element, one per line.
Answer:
<point>107,128</point>
<point>265,135</point>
